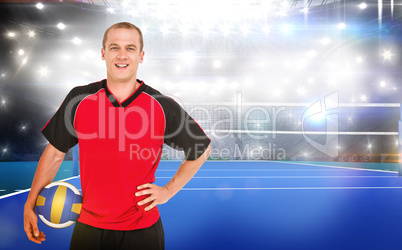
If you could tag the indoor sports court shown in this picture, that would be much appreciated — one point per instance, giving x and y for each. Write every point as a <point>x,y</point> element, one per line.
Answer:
<point>301,101</point>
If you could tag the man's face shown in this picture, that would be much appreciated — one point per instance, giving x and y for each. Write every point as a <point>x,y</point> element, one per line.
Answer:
<point>122,54</point>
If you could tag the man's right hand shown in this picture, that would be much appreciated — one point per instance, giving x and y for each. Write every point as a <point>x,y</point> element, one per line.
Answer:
<point>31,225</point>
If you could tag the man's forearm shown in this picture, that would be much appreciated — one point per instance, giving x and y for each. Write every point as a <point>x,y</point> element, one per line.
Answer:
<point>48,166</point>
<point>186,171</point>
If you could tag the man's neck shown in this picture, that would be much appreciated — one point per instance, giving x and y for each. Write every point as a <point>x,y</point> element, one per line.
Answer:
<point>122,90</point>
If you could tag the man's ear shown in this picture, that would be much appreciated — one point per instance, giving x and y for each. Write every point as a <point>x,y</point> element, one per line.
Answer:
<point>142,53</point>
<point>103,54</point>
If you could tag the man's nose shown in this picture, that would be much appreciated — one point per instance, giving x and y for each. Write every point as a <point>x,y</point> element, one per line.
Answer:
<point>122,54</point>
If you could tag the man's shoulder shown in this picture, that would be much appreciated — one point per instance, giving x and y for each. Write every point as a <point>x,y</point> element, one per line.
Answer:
<point>90,88</point>
<point>167,102</point>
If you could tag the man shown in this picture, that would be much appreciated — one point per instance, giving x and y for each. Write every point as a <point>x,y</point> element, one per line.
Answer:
<point>121,125</point>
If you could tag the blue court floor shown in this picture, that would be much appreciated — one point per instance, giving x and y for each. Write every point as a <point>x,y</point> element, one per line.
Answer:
<point>258,205</point>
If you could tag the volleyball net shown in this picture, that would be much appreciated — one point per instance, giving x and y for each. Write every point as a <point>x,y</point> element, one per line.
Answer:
<point>322,131</point>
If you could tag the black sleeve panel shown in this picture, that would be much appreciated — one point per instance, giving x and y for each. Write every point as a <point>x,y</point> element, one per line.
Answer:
<point>59,130</point>
<point>182,131</point>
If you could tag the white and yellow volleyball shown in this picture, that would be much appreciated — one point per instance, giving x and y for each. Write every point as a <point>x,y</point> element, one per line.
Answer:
<point>59,204</point>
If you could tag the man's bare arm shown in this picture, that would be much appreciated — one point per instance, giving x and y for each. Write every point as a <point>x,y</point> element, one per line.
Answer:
<point>48,166</point>
<point>160,195</point>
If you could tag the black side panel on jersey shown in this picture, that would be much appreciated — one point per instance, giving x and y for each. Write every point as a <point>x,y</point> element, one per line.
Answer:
<point>59,131</point>
<point>182,132</point>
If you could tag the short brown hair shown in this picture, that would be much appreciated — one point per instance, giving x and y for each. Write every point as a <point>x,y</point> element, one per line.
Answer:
<point>123,25</point>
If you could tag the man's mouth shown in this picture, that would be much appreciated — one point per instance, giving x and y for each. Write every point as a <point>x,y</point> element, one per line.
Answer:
<point>121,65</point>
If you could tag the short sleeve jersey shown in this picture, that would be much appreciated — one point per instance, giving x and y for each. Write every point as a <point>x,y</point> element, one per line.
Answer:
<point>120,146</point>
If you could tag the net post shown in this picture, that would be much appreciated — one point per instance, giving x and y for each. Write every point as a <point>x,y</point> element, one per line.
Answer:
<point>400,142</point>
<point>75,160</point>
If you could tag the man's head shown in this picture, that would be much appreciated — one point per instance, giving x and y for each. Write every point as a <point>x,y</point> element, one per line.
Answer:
<point>123,25</point>
<point>123,52</point>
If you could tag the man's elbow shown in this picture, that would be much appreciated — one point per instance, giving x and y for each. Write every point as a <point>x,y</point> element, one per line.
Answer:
<point>206,154</point>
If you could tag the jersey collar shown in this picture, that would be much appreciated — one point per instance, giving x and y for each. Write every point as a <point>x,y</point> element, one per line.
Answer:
<point>129,100</point>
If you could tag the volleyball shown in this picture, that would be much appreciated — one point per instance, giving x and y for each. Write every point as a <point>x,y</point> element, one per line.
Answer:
<point>59,204</point>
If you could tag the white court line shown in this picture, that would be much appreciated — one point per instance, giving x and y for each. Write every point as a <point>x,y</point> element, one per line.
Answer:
<point>27,190</point>
<point>285,188</point>
<point>327,166</point>
<point>257,170</point>
<point>278,177</point>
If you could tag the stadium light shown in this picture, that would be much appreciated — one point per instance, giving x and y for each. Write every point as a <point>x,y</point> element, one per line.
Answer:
<point>31,33</point>
<point>387,54</point>
<point>21,52</point>
<point>362,6</point>
<point>39,6</point>
<point>383,84</point>
<point>325,41</point>
<point>77,41</point>
<point>61,26</point>
<point>11,34</point>
<point>43,71</point>
<point>341,26</point>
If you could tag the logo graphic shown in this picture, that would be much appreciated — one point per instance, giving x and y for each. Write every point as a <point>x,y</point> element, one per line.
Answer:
<point>329,111</point>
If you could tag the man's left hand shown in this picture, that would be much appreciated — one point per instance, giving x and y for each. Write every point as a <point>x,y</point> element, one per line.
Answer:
<point>157,195</point>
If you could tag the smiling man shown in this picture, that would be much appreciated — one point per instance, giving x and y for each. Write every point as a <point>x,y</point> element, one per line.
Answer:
<point>120,124</point>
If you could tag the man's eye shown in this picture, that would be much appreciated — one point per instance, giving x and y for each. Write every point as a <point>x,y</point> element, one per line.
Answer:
<point>113,48</point>
<point>131,49</point>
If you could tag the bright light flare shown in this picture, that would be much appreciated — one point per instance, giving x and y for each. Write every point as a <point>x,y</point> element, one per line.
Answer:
<point>24,61</point>
<point>43,71</point>
<point>31,33</point>
<point>61,26</point>
<point>77,41</point>
<point>21,52</point>
<point>11,34</point>
<point>363,98</point>
<point>387,55</point>
<point>39,6</point>
<point>362,6</point>
<point>325,41</point>
<point>341,26</point>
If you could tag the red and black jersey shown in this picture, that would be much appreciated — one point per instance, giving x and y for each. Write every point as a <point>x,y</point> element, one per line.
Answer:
<point>120,146</point>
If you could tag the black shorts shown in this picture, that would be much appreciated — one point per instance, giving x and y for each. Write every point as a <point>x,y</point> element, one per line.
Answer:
<point>87,237</point>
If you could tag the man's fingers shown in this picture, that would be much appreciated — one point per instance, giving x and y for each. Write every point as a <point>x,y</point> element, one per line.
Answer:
<point>152,205</point>
<point>35,230</point>
<point>145,201</point>
<point>146,185</point>
<point>144,192</point>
